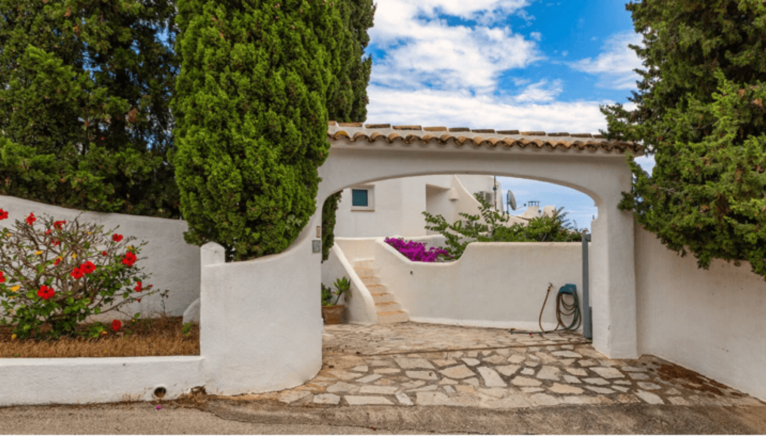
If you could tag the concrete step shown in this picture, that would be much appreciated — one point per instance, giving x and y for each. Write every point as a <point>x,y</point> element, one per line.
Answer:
<point>365,272</point>
<point>364,263</point>
<point>383,297</point>
<point>371,281</point>
<point>393,317</point>
<point>377,289</point>
<point>390,306</point>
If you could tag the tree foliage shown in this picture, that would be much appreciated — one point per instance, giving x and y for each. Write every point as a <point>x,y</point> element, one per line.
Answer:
<point>700,112</point>
<point>492,226</point>
<point>349,102</point>
<point>84,104</point>
<point>251,113</point>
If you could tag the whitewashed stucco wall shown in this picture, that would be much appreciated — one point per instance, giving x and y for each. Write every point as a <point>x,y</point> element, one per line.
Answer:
<point>399,204</point>
<point>492,285</point>
<point>173,264</point>
<point>711,321</point>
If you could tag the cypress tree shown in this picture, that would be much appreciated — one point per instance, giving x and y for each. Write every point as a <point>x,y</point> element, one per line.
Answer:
<point>84,104</point>
<point>700,112</point>
<point>251,113</point>
<point>349,102</point>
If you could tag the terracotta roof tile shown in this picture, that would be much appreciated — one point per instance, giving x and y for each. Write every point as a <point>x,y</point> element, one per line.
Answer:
<point>464,137</point>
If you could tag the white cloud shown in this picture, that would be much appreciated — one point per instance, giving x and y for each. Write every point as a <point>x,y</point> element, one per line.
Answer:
<point>422,49</point>
<point>537,36</point>
<point>463,109</point>
<point>616,62</point>
<point>540,92</point>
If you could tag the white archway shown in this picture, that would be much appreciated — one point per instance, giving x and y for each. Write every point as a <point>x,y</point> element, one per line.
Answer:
<point>276,300</point>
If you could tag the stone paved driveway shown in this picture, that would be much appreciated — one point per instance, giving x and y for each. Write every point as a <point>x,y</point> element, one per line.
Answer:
<point>411,364</point>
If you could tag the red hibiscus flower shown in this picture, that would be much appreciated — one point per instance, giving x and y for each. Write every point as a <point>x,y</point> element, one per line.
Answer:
<point>116,237</point>
<point>129,259</point>
<point>88,267</point>
<point>58,261</point>
<point>30,219</point>
<point>139,287</point>
<point>116,325</point>
<point>58,224</point>
<point>77,273</point>
<point>45,292</point>
<point>3,215</point>
<point>2,277</point>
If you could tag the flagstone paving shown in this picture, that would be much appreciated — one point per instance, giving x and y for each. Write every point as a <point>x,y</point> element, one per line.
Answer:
<point>410,364</point>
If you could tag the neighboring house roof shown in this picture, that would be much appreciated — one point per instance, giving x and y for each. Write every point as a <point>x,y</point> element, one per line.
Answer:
<point>355,132</point>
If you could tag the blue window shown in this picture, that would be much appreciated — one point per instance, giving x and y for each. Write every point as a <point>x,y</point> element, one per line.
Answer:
<point>360,197</point>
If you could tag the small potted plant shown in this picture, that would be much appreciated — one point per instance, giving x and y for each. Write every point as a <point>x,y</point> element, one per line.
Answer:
<point>331,311</point>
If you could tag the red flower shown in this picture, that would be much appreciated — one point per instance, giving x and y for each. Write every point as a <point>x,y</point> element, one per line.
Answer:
<point>138,299</point>
<point>57,224</point>
<point>56,242</point>
<point>77,273</point>
<point>45,292</point>
<point>58,261</point>
<point>116,237</point>
<point>2,277</point>
<point>116,325</point>
<point>138,287</point>
<point>3,215</point>
<point>88,267</point>
<point>129,259</point>
<point>31,218</point>
<point>103,253</point>
<point>48,232</point>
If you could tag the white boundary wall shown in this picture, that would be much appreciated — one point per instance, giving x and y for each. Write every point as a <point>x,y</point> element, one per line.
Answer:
<point>499,285</point>
<point>173,264</point>
<point>96,380</point>
<point>711,321</point>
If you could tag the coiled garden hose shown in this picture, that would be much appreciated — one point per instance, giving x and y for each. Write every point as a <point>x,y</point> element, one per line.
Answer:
<point>563,309</point>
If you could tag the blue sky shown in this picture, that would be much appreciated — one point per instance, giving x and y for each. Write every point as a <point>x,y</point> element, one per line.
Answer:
<point>504,64</point>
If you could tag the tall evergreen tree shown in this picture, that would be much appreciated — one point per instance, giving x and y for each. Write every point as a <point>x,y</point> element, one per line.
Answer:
<point>84,104</point>
<point>700,112</point>
<point>251,113</point>
<point>349,102</point>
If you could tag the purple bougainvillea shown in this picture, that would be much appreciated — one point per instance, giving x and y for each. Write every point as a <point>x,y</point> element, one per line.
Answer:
<point>416,251</point>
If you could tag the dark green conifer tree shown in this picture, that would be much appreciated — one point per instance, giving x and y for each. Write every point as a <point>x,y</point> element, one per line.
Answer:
<point>251,113</point>
<point>349,102</point>
<point>700,112</point>
<point>84,104</point>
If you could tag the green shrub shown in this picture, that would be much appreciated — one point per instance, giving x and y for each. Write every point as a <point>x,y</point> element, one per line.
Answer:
<point>699,110</point>
<point>84,104</point>
<point>491,226</point>
<point>52,280</point>
<point>251,116</point>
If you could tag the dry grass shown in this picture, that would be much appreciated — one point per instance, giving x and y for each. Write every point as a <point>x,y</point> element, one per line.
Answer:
<point>149,337</point>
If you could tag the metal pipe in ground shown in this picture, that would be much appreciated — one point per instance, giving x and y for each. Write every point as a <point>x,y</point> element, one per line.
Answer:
<point>587,322</point>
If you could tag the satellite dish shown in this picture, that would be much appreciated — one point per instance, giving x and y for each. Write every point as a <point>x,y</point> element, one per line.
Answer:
<point>511,200</point>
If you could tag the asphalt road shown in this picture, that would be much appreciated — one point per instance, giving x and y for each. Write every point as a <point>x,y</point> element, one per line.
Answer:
<point>237,417</point>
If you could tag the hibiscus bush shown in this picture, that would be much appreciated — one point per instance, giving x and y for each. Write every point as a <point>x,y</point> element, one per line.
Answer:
<point>417,252</point>
<point>54,274</point>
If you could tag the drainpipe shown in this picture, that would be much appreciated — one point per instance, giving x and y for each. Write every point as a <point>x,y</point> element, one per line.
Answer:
<point>587,324</point>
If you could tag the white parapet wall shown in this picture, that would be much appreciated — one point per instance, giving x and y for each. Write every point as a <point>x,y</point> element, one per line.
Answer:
<point>261,320</point>
<point>97,380</point>
<point>499,285</point>
<point>711,321</point>
<point>173,264</point>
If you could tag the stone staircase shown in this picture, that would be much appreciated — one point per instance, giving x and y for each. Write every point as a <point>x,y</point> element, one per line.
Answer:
<point>389,311</point>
